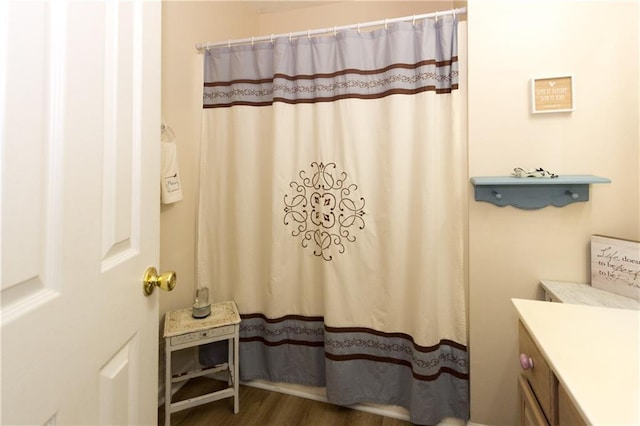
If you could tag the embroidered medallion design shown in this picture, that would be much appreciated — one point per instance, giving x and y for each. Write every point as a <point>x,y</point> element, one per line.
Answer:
<point>323,210</point>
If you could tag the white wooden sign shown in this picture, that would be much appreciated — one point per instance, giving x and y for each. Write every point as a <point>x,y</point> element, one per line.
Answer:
<point>615,265</point>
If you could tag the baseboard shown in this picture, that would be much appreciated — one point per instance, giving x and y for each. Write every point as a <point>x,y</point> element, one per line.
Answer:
<point>319,394</point>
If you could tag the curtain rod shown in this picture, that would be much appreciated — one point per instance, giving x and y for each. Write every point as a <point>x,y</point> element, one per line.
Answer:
<point>309,33</point>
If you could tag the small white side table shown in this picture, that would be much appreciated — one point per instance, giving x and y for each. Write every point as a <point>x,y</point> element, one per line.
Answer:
<point>182,331</point>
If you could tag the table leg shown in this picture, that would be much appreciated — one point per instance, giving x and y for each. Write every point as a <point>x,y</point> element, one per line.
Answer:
<point>236,369</point>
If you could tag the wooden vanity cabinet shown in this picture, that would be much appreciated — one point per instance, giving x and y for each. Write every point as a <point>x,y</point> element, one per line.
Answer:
<point>567,412</point>
<point>530,412</point>
<point>540,379</point>
<point>543,401</point>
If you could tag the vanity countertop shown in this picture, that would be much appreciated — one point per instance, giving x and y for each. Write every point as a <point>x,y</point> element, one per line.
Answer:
<point>595,354</point>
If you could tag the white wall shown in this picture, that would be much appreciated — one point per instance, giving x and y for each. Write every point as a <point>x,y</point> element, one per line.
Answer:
<point>185,23</point>
<point>510,249</point>
<point>344,13</point>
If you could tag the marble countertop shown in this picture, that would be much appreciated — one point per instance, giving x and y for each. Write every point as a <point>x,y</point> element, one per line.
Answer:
<point>594,352</point>
<point>585,294</point>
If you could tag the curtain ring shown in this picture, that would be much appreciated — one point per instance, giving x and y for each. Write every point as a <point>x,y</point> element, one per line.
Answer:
<point>229,44</point>
<point>414,20</point>
<point>289,36</point>
<point>454,14</point>
<point>252,38</point>
<point>436,17</point>
<point>386,20</point>
<point>358,27</point>
<point>309,34</point>
<point>271,38</point>
<point>335,33</point>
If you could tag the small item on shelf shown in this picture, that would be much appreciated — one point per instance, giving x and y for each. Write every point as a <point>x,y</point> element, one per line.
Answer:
<point>537,173</point>
<point>202,306</point>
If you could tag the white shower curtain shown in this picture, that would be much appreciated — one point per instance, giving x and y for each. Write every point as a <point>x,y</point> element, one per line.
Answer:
<point>332,200</point>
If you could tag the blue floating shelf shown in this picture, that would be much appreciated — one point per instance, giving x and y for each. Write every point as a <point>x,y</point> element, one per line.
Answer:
<point>534,193</point>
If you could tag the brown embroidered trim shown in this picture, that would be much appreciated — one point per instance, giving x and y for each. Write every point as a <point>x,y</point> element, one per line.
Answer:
<point>281,319</point>
<point>364,330</point>
<point>238,81</point>
<point>281,342</point>
<point>424,349</point>
<point>355,71</point>
<point>336,98</point>
<point>364,357</point>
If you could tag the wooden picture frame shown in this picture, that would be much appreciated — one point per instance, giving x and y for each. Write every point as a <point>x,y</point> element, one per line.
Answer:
<point>552,94</point>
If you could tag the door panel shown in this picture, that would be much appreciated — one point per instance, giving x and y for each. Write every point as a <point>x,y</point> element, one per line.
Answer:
<point>118,383</point>
<point>31,215</point>
<point>119,139</point>
<point>79,212</point>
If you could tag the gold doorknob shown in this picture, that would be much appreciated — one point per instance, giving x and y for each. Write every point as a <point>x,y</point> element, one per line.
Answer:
<point>151,280</point>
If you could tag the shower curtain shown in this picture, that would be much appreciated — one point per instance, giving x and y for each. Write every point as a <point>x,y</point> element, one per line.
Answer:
<point>331,209</point>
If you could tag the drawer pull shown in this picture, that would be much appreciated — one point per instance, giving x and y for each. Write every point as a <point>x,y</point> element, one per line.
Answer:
<point>526,362</point>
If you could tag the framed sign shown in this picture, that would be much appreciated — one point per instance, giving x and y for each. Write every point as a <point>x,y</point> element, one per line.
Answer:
<point>552,94</point>
<point>615,265</point>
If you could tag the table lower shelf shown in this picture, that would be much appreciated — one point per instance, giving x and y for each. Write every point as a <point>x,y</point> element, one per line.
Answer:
<point>203,372</point>
<point>202,399</point>
<point>208,397</point>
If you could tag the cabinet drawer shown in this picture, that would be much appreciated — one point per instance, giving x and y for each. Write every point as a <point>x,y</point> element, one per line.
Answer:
<point>530,412</point>
<point>199,335</point>
<point>540,377</point>
<point>567,412</point>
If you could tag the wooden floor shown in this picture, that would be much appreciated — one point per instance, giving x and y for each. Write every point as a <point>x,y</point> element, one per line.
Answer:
<point>264,408</point>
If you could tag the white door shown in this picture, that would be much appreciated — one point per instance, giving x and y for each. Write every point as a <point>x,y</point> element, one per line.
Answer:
<point>79,212</point>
